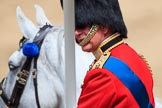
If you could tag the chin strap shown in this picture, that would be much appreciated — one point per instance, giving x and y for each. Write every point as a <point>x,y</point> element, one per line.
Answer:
<point>90,35</point>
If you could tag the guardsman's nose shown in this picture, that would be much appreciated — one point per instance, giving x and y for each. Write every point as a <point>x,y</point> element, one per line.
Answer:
<point>77,32</point>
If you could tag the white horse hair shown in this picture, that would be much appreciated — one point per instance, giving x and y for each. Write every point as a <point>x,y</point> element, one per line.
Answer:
<point>50,63</point>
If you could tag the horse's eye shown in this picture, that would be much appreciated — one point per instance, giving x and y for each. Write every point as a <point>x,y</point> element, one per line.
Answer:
<point>20,45</point>
<point>22,41</point>
<point>12,67</point>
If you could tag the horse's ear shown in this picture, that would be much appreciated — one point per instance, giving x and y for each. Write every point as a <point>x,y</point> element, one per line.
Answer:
<point>41,16</point>
<point>26,26</point>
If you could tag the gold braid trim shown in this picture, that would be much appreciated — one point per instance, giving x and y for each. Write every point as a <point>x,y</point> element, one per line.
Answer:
<point>102,60</point>
<point>90,35</point>
<point>144,59</point>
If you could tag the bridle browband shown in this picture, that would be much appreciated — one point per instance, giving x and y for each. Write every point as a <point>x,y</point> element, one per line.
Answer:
<point>23,75</point>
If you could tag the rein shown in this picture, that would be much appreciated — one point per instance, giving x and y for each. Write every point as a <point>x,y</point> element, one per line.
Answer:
<point>23,75</point>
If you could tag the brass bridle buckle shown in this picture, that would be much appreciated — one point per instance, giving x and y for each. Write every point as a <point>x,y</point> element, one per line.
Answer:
<point>22,77</point>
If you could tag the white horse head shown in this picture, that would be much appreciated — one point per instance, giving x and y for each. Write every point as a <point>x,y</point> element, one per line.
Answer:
<point>50,64</point>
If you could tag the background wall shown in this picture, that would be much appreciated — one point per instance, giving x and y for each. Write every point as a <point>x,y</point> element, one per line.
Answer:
<point>142,17</point>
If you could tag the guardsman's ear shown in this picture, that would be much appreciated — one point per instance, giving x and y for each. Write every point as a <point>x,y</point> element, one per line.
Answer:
<point>106,30</point>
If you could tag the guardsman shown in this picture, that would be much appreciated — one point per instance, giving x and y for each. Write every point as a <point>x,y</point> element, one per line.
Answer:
<point>118,77</point>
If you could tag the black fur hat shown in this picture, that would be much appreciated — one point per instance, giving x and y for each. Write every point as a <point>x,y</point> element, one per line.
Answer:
<point>101,12</point>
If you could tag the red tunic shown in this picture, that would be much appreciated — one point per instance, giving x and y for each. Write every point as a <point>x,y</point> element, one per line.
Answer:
<point>102,89</point>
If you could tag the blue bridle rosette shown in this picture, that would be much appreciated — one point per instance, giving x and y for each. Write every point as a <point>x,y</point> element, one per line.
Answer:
<point>30,50</point>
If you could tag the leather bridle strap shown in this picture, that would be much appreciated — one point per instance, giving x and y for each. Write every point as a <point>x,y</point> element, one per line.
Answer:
<point>2,92</point>
<point>21,80</point>
<point>35,81</point>
<point>39,40</point>
<point>22,76</point>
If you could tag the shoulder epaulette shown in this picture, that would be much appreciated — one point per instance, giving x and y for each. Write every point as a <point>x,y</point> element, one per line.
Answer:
<point>102,60</point>
<point>144,59</point>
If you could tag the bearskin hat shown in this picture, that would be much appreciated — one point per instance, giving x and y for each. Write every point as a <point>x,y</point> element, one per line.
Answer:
<point>100,12</point>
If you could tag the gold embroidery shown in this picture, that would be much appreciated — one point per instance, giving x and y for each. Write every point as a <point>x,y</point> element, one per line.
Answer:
<point>102,60</point>
<point>109,39</point>
<point>99,52</point>
<point>102,56</point>
<point>144,59</point>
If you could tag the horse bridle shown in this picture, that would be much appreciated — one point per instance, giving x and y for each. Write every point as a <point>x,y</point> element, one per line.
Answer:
<point>22,76</point>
